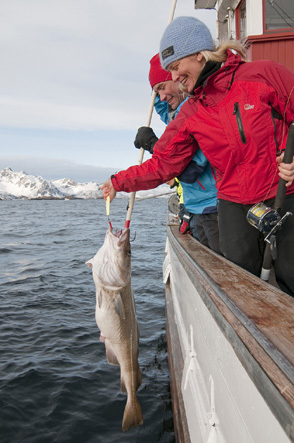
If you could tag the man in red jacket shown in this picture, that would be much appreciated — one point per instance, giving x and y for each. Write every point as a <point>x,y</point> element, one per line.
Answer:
<point>239,116</point>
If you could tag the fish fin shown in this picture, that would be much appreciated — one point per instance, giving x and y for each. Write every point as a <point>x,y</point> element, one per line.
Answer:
<point>119,306</point>
<point>89,263</point>
<point>110,355</point>
<point>133,414</point>
<point>101,338</point>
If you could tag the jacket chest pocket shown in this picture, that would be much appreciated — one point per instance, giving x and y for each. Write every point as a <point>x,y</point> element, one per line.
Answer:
<point>237,113</point>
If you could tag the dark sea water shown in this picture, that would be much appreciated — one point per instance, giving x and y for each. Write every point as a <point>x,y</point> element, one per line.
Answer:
<point>55,382</point>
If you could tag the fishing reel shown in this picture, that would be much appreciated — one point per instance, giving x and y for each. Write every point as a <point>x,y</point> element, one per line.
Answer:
<point>263,218</point>
<point>267,220</point>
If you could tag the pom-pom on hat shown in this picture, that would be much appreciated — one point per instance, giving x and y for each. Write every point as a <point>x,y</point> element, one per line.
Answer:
<point>184,36</point>
<point>156,73</point>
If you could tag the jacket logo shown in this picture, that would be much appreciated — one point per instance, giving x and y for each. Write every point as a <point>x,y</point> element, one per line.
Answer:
<point>247,106</point>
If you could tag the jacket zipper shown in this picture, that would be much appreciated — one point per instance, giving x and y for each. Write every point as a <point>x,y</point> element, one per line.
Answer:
<point>275,115</point>
<point>237,113</point>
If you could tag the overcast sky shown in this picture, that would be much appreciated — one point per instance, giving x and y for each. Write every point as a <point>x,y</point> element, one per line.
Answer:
<point>74,82</point>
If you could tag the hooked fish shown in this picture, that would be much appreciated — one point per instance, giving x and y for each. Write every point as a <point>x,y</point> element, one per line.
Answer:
<point>116,317</point>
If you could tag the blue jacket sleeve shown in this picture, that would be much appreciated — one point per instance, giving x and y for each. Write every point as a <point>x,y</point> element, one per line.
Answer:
<point>162,110</point>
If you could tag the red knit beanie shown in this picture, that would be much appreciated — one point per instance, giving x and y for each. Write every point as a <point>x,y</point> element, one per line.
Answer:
<point>156,73</point>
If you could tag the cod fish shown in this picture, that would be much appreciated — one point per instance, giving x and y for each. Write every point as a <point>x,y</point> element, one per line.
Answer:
<point>116,317</point>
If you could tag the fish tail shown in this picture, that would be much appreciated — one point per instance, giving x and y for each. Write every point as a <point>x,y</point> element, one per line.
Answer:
<point>133,414</point>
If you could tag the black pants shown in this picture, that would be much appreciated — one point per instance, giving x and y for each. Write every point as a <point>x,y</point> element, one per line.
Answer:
<point>204,227</point>
<point>244,244</point>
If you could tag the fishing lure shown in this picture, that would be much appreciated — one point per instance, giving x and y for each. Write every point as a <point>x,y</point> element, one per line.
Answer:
<point>107,202</point>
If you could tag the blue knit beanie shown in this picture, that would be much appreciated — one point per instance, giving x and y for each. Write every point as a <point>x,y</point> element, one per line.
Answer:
<point>184,36</point>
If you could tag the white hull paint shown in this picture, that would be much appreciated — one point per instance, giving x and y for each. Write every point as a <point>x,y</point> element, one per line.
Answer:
<point>227,375</point>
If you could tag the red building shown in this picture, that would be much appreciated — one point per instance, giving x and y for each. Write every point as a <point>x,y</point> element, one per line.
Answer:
<point>268,25</point>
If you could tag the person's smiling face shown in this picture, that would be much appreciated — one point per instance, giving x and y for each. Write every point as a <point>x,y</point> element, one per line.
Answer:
<point>169,92</point>
<point>187,70</point>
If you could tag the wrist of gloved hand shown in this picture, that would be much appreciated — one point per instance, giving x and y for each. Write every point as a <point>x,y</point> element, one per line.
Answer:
<point>145,139</point>
<point>185,224</point>
<point>152,143</point>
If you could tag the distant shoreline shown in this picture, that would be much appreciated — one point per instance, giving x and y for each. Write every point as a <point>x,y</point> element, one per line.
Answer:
<point>51,198</point>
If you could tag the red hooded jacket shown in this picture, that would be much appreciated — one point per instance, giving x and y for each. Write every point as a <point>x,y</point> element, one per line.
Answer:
<point>240,119</point>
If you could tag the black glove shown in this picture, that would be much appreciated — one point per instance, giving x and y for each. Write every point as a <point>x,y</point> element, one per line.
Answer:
<point>145,139</point>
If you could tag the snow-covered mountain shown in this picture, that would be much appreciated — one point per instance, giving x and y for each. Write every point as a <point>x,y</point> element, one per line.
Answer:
<point>20,185</point>
<point>70,188</point>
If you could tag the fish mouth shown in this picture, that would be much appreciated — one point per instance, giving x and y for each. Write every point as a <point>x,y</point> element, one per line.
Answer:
<point>123,234</point>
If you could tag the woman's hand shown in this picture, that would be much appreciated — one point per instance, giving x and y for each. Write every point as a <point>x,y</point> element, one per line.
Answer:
<point>286,170</point>
<point>108,190</point>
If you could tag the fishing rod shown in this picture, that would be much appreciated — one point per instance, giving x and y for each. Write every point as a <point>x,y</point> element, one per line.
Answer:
<point>269,220</point>
<point>149,117</point>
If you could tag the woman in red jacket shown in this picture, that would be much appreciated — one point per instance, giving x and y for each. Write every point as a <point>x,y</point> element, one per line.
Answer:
<point>239,115</point>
